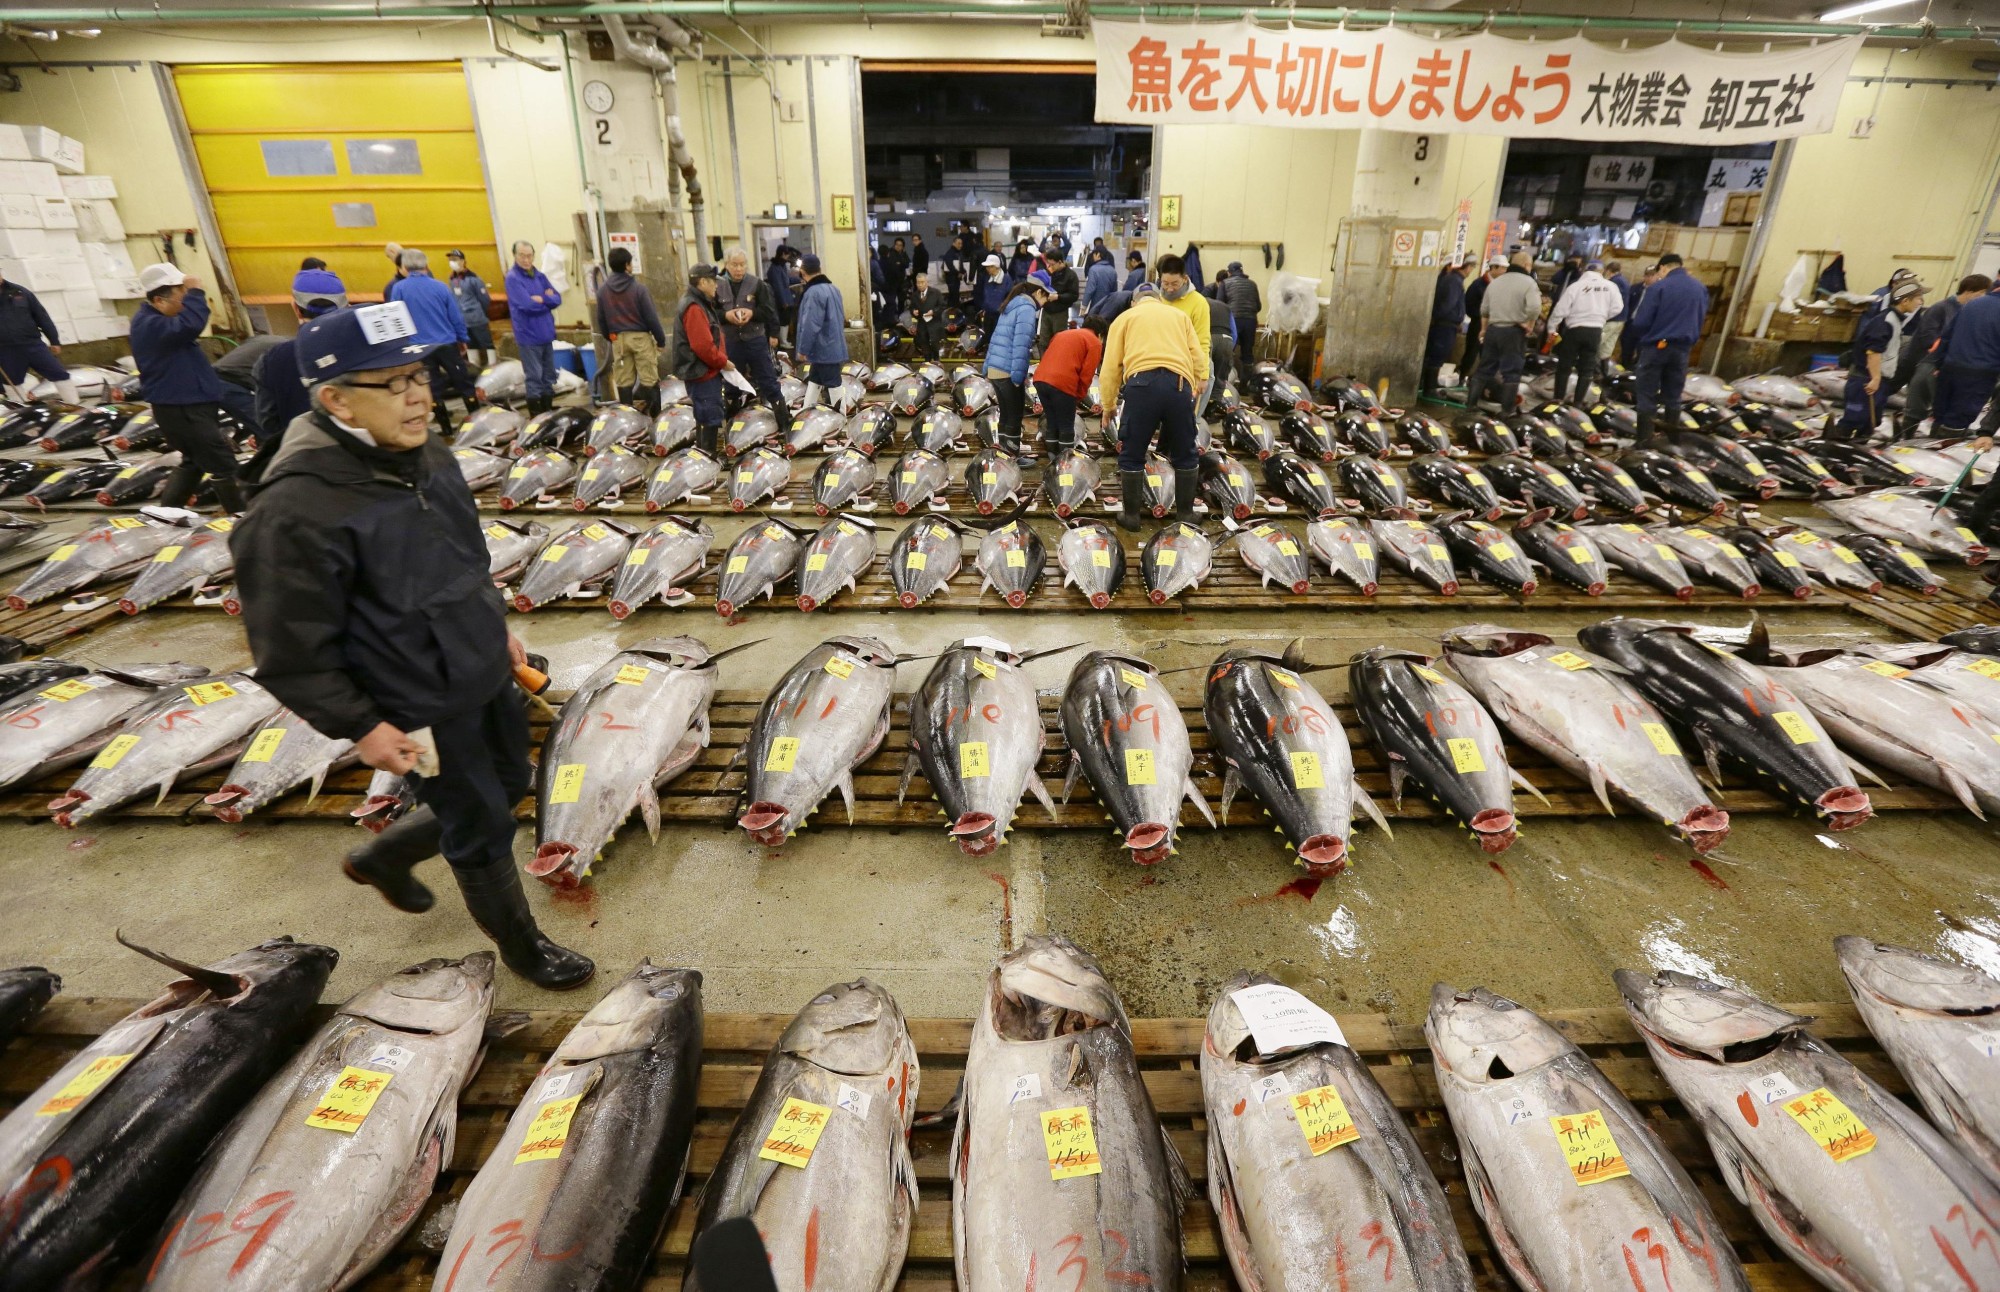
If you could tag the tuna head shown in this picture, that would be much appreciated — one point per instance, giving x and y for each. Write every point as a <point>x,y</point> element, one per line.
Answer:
<point>853,1028</point>
<point>1910,979</point>
<point>632,1015</point>
<point>1491,639</point>
<point>1481,1037</point>
<point>434,996</point>
<point>1691,1014</point>
<point>1048,986</point>
<point>1228,1035</point>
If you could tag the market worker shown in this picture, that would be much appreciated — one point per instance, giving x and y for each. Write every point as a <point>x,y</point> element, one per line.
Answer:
<point>1100,279</point>
<point>991,294</point>
<point>1665,327</point>
<point>1178,290</point>
<point>1607,345</point>
<point>699,356</point>
<point>1475,322</point>
<point>1239,294</point>
<point>366,600</point>
<point>750,324</point>
<point>1872,364</point>
<point>470,289</point>
<point>1917,369</point>
<point>927,307</point>
<point>822,339</point>
<point>1135,271</point>
<point>1968,359</point>
<point>23,325</point>
<point>1447,317</point>
<point>1511,305</point>
<point>627,318</point>
<point>441,326</point>
<point>1010,353</point>
<point>1576,327</point>
<point>1154,363</point>
<point>181,385</point>
<point>531,306</point>
<point>1063,380</point>
<point>281,396</point>
<point>1066,289</point>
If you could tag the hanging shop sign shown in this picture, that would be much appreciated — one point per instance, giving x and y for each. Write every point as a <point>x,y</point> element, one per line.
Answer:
<point>1393,79</point>
<point>1620,171</point>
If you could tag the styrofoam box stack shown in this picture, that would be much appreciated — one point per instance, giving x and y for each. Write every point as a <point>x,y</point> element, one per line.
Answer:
<point>60,235</point>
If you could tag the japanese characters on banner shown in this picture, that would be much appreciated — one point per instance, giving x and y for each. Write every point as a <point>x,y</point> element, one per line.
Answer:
<point>1394,79</point>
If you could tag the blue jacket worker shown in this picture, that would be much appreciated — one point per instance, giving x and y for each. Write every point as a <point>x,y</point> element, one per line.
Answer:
<point>531,305</point>
<point>822,333</point>
<point>1010,354</point>
<point>441,326</point>
<point>1099,281</point>
<point>24,324</point>
<point>473,298</point>
<point>181,385</point>
<point>1135,272</point>
<point>1871,369</point>
<point>1447,319</point>
<point>405,657</point>
<point>1665,328</point>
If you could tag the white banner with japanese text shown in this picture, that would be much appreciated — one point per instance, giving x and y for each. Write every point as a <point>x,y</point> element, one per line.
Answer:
<point>1394,79</point>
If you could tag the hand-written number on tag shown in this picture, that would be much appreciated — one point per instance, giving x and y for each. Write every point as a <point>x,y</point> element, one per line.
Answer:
<point>795,1133</point>
<point>348,1101</point>
<point>1833,1126</point>
<point>548,1132</point>
<point>81,1086</point>
<point>1587,1145</point>
<point>1324,1119</point>
<point>1071,1144</point>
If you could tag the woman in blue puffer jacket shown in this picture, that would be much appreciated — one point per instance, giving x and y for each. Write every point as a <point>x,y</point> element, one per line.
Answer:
<point>1011,351</point>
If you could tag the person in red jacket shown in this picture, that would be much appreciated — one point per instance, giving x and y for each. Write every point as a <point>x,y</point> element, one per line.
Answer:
<point>1063,379</point>
<point>699,359</point>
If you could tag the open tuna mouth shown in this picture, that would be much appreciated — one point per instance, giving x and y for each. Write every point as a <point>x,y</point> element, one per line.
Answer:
<point>1767,488</point>
<point>902,508</point>
<point>1721,505</point>
<point>551,865</point>
<point>1494,828</point>
<point>1801,592</point>
<point>374,812</point>
<point>1593,589</point>
<point>1099,600</point>
<point>120,442</point>
<point>224,802</point>
<point>1684,593</point>
<point>1368,588</point>
<point>581,504</point>
<point>737,504</point>
<point>619,610</point>
<point>523,603</point>
<point>1324,854</point>
<point>1975,554</point>
<point>62,808</point>
<point>1845,807</point>
<point>47,445</point>
<point>1300,587</point>
<point>17,603</point>
<point>1017,599</point>
<point>1528,587</point>
<point>974,834</point>
<point>104,498</point>
<point>1149,842</point>
<point>985,506</point>
<point>765,822</point>
<point>1705,827</point>
<point>1064,511</point>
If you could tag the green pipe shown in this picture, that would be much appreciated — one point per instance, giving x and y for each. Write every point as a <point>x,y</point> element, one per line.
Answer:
<point>321,10</point>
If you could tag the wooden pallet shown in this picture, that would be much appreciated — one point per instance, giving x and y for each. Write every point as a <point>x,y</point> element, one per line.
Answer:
<point>707,793</point>
<point>1168,1049</point>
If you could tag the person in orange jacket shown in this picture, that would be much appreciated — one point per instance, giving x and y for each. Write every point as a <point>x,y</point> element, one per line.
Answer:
<point>1063,380</point>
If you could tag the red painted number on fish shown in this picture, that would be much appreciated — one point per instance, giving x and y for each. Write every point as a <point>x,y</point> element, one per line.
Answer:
<point>606,724</point>
<point>27,719</point>
<point>1975,1238</point>
<point>1377,1239</point>
<point>257,1220</point>
<point>507,1236</point>
<point>1652,1251</point>
<point>1144,713</point>
<point>50,1176</point>
<point>1309,718</point>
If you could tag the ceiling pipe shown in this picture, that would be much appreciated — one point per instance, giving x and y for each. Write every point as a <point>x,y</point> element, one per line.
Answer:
<point>648,55</point>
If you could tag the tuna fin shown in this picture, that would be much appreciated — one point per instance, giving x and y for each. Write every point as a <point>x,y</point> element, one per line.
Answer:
<point>1957,784</point>
<point>1053,650</point>
<point>649,811</point>
<point>1177,1172</point>
<point>1194,795</point>
<point>909,770</point>
<point>1069,779</point>
<point>1399,771</point>
<point>1597,786</point>
<point>1757,648</point>
<point>1488,1206</point>
<point>1041,793</point>
<point>1711,754</point>
<point>216,983</point>
<point>1229,1215</point>
<point>1522,782</point>
<point>953,1111</point>
<point>1373,809</point>
<point>742,752</point>
<point>846,784</point>
<point>906,1172</point>
<point>1231,782</point>
<point>1862,771</point>
<point>725,654</point>
<point>1295,654</point>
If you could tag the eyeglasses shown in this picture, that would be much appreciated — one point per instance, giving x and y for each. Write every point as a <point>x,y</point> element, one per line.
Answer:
<point>398,384</point>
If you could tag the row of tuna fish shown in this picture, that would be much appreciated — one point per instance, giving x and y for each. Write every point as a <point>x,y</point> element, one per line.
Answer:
<point>177,1134</point>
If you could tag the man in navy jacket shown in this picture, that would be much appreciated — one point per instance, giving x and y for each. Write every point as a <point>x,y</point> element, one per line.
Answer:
<point>181,385</point>
<point>1667,324</point>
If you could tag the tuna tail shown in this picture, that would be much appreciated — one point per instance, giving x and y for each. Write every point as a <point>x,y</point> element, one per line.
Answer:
<point>1041,793</point>
<point>221,985</point>
<point>1231,782</point>
<point>1757,647</point>
<point>1053,650</point>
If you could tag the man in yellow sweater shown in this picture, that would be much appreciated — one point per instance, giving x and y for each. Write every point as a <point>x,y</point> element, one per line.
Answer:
<point>1179,292</point>
<point>1155,362</point>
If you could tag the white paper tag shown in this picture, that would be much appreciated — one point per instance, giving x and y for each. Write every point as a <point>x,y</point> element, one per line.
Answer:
<point>1772,1089</point>
<point>993,644</point>
<point>1521,1110</point>
<point>854,1101</point>
<point>1280,1018</point>
<point>1268,1088</point>
<point>1526,656</point>
<point>1987,1043</point>
<point>554,1088</point>
<point>393,1057</point>
<point>389,321</point>
<point>1026,1086</point>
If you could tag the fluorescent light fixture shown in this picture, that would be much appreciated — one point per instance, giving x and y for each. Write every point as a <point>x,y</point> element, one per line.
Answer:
<point>1845,12</point>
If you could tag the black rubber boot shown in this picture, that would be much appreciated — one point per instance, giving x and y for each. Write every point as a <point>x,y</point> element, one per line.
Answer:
<point>493,894</point>
<point>1643,433</point>
<point>705,438</point>
<point>540,404</point>
<point>1131,488</point>
<point>1186,483</point>
<point>386,861</point>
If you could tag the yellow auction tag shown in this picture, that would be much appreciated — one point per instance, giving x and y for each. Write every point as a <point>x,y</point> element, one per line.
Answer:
<point>517,473</point>
<point>632,674</point>
<point>1437,551</point>
<point>1664,552</point>
<point>840,666</point>
<point>1465,755</point>
<point>989,477</point>
<point>1282,678</point>
<point>830,479</point>
<point>118,747</point>
<point>166,554</point>
<point>663,475</point>
<point>264,745</point>
<point>1569,660</point>
<point>1911,559</point>
<point>553,552</point>
<point>1787,560</point>
<point>1100,558</point>
<point>909,477</point>
<point>209,692</point>
<point>847,529</point>
<point>1306,771</point>
<point>1833,1126</point>
<point>784,753</point>
<point>1139,767</point>
<point>985,667</point>
<point>85,1083</point>
<point>63,553</point>
<point>1316,477</point>
<point>1324,1119</point>
<point>595,533</point>
<point>1016,558</point>
<point>68,690</point>
<point>1795,727</point>
<point>127,473</point>
<point>544,1139</point>
<point>1071,1145</point>
<point>498,531</point>
<point>1624,479</point>
<point>915,561</point>
<point>1966,534</point>
<point>815,562</point>
<point>1502,551</point>
<point>1556,477</point>
<point>637,556</point>
<point>53,476</point>
<point>1663,740</point>
<point>1845,555</point>
<point>1985,668</point>
<point>738,564</point>
<point>745,477</point>
<point>348,1101</point>
<point>1286,547</point>
<point>1364,551</point>
<point>972,760</point>
<point>1475,478</point>
<point>1165,557</point>
<point>1587,1146</point>
<point>568,783</point>
<point>127,522</point>
<point>592,474</point>
<point>1730,549</point>
<point>1065,479</point>
<point>1699,477</point>
<point>1430,675</point>
<point>1581,555</point>
<point>1885,669</point>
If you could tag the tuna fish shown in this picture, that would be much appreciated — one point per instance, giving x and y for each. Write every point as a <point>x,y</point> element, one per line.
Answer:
<point>1011,560</point>
<point>586,555</point>
<point>1422,434</point>
<point>1249,434</point>
<point>609,1116</point>
<point>1309,1161</point>
<point>1434,731</point>
<point>1982,639</point>
<point>80,428</point>
<point>870,430</point>
<point>687,475</point>
<point>77,480</point>
<point>362,1120</point>
<point>482,470</point>
<point>285,753</point>
<point>510,545</point>
<point>1303,484</point>
<point>762,557</point>
<point>1275,555</point>
<point>1840,1175</point>
<point>200,560</point>
<point>1733,707</point>
<point>535,478</point>
<point>92,1160</point>
<point>1935,1017</point>
<point>661,563</point>
<point>1415,548</point>
<point>388,798</point>
<point>607,476</point>
<point>1126,735</point>
<point>1309,434</point>
<point>1672,479</point>
<point>1058,1155</point>
<point>1639,552</point>
<point>674,430</point>
<point>1712,558</point>
<point>19,676</point>
<point>1226,486</point>
<point>615,425</point>
<point>1347,550</point>
<point>502,382</point>
<point>16,530</point>
<point>1893,563</point>
<point>1932,463</point>
<point>1772,388</point>
<point>1905,517</point>
<point>1533,484</point>
<point>1572,1180</point>
<point>1834,564</point>
<point>751,428</point>
<point>761,473</point>
<point>1455,485</point>
<point>1363,433</point>
<point>885,377</point>
<point>1175,560</point>
<point>1967,677</point>
<point>939,431</point>
<point>977,689</point>
<point>972,394</point>
<point>817,427</point>
<point>136,482</point>
<point>1566,553</point>
<point>840,479</point>
<point>910,396</point>
<point>633,725</point>
<point>919,478</point>
<point>1863,466</point>
<point>558,428</point>
<point>1070,483</point>
<point>1610,484</point>
<point>1540,435</point>
<point>1729,465</point>
<point>23,423</point>
<point>1376,484</point>
<point>23,992</point>
<point>1775,566</point>
<point>1092,559</point>
<point>1274,388</point>
<point>489,427</point>
<point>1778,424</point>
<point>1590,722</point>
<point>834,559</point>
<point>142,431</point>
<point>827,716</point>
<point>925,557</point>
<point>1491,553</point>
<point>65,713</point>
<point>993,481</point>
<point>1158,486</point>
<point>1488,435</point>
<point>1278,737</point>
<point>674,391</point>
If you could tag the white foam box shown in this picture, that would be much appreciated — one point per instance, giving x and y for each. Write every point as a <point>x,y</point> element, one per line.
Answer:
<point>62,242</point>
<point>54,147</point>
<point>118,324</point>
<point>57,213</point>
<point>19,211</point>
<point>23,242</point>
<point>14,144</point>
<point>117,287</point>
<point>109,260</point>
<point>35,178</point>
<point>69,157</point>
<point>37,275</point>
<point>92,186</point>
<point>97,220</point>
<point>83,304</point>
<point>72,275</point>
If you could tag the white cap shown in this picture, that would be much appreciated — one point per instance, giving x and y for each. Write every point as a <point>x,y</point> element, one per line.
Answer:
<point>153,277</point>
<point>991,262</point>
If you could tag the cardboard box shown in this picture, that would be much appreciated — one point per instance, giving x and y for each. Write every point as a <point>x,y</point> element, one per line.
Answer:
<point>97,221</point>
<point>72,275</point>
<point>14,144</point>
<point>37,275</point>
<point>109,260</point>
<point>79,186</point>
<point>57,213</point>
<point>43,143</point>
<point>23,243</point>
<point>84,304</point>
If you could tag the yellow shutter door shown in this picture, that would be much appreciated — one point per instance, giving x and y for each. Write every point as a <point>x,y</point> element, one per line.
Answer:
<point>334,160</point>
